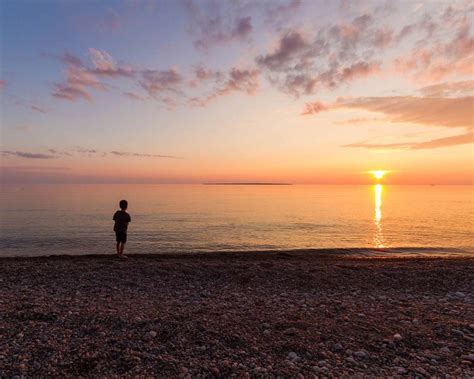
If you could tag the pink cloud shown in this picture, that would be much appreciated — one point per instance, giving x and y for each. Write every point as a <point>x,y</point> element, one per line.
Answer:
<point>105,65</point>
<point>461,139</point>
<point>383,38</point>
<point>449,112</point>
<point>212,25</point>
<point>314,108</point>
<point>157,81</point>
<point>202,74</point>
<point>291,46</point>
<point>38,108</point>
<point>440,56</point>
<point>66,92</point>
<point>78,82</point>
<point>133,96</point>
<point>457,140</point>
<point>278,14</point>
<point>359,70</point>
<point>449,89</point>
<point>2,84</point>
<point>236,80</point>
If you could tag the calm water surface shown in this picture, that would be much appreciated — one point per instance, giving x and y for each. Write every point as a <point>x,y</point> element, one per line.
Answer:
<point>77,219</point>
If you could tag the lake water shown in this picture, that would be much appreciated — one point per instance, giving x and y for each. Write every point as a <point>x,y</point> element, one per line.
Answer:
<point>77,219</point>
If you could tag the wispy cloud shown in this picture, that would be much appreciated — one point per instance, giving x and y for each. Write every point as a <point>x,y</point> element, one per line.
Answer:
<point>314,108</point>
<point>83,150</point>
<point>236,80</point>
<point>23,154</point>
<point>2,84</point>
<point>213,25</point>
<point>449,89</point>
<point>277,14</point>
<point>79,81</point>
<point>128,154</point>
<point>38,108</point>
<point>303,63</point>
<point>158,81</point>
<point>446,49</point>
<point>36,168</point>
<point>358,120</point>
<point>461,139</point>
<point>133,96</point>
<point>104,64</point>
<point>431,111</point>
<point>28,104</point>
<point>380,146</point>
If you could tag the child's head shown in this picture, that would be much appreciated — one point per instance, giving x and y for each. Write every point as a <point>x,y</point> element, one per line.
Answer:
<point>123,204</point>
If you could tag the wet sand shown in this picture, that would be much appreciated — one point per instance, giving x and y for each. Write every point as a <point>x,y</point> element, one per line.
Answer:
<point>295,314</point>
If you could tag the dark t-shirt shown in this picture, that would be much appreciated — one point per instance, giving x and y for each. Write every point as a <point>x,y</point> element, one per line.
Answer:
<point>121,219</point>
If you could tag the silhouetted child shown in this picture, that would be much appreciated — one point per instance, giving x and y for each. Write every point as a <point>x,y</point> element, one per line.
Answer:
<point>121,218</point>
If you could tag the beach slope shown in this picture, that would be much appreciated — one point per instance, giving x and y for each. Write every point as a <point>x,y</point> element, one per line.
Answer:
<point>243,314</point>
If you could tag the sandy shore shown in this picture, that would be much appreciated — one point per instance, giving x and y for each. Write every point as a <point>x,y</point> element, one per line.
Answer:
<point>243,315</point>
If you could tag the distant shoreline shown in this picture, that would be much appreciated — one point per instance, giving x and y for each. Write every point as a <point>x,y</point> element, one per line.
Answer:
<point>247,184</point>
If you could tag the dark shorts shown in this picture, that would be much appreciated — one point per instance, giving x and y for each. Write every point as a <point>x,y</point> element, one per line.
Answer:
<point>121,237</point>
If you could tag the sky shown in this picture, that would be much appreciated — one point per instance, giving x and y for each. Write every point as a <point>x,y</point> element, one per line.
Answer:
<point>192,91</point>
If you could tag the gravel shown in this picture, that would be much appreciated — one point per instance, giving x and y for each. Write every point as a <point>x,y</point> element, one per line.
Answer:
<point>243,315</point>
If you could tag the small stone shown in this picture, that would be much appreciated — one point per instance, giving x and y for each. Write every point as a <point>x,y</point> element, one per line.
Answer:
<point>215,371</point>
<point>150,335</point>
<point>351,360</point>
<point>422,371</point>
<point>471,326</point>
<point>266,325</point>
<point>338,347</point>
<point>445,350</point>
<point>397,337</point>
<point>292,356</point>
<point>468,338</point>
<point>401,370</point>
<point>459,294</point>
<point>267,332</point>
<point>322,363</point>
<point>360,354</point>
<point>469,357</point>
<point>183,370</point>
<point>290,331</point>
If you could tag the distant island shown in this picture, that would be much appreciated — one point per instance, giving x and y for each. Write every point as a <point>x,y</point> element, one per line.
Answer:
<point>247,184</point>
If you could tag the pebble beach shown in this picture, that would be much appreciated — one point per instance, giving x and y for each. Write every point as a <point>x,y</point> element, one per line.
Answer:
<point>288,314</point>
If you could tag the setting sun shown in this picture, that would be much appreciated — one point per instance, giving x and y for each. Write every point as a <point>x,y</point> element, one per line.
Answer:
<point>378,174</point>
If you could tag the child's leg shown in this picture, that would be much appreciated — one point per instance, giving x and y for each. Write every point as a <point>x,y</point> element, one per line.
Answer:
<point>118,248</point>
<point>122,247</point>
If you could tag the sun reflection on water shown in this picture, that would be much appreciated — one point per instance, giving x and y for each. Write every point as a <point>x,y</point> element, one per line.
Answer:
<point>379,240</point>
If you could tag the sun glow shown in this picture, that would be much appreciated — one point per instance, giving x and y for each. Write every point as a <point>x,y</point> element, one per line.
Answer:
<point>378,174</point>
